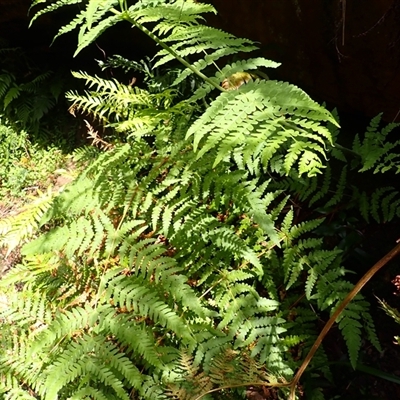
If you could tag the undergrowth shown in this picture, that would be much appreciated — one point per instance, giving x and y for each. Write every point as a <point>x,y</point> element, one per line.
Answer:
<point>25,167</point>
<point>187,260</point>
<point>27,91</point>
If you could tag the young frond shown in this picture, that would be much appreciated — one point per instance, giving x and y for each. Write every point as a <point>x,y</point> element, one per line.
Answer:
<point>246,65</point>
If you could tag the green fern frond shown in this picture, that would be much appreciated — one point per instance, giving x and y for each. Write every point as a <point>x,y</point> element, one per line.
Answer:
<point>136,295</point>
<point>322,190</point>
<point>249,119</point>
<point>340,187</point>
<point>191,234</point>
<point>38,80</point>
<point>179,12</point>
<point>351,330</point>
<point>188,41</point>
<point>50,8</point>
<point>375,150</point>
<point>80,357</point>
<point>16,229</point>
<point>6,81</point>
<point>92,34</point>
<point>12,94</point>
<point>383,204</point>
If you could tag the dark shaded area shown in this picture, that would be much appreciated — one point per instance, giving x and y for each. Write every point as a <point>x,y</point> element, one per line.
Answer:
<point>375,242</point>
<point>343,52</point>
<point>38,39</point>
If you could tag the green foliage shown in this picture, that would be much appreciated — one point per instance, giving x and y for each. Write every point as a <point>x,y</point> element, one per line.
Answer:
<point>259,122</point>
<point>155,79</point>
<point>179,264</point>
<point>375,150</point>
<point>24,167</point>
<point>27,94</point>
<point>125,108</point>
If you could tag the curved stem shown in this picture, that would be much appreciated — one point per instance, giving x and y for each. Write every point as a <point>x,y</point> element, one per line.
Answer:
<point>265,384</point>
<point>360,284</point>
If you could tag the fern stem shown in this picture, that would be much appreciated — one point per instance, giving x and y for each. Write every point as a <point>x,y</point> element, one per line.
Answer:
<point>125,15</point>
<point>347,150</point>
<point>211,287</point>
<point>337,145</point>
<point>264,384</point>
<point>213,62</point>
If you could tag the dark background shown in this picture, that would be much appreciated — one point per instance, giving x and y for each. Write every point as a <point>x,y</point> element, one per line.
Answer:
<point>344,52</point>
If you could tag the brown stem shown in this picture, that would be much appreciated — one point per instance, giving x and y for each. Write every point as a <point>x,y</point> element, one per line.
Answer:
<point>265,384</point>
<point>360,284</point>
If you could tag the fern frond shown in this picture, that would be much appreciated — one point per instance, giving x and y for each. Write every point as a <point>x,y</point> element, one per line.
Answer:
<point>351,330</point>
<point>92,34</point>
<point>50,8</point>
<point>189,235</point>
<point>12,94</point>
<point>135,294</point>
<point>6,81</point>
<point>375,150</point>
<point>16,229</point>
<point>179,12</point>
<point>340,187</point>
<point>227,124</point>
<point>80,357</point>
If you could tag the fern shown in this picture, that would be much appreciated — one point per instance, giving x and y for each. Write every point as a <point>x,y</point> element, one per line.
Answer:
<point>174,264</point>
<point>16,229</point>
<point>24,100</point>
<point>375,150</point>
<point>253,122</point>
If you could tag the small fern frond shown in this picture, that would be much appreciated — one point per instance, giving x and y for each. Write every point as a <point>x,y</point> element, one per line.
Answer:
<point>340,187</point>
<point>50,8</point>
<point>351,330</point>
<point>14,230</point>
<point>375,150</point>
<point>6,81</point>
